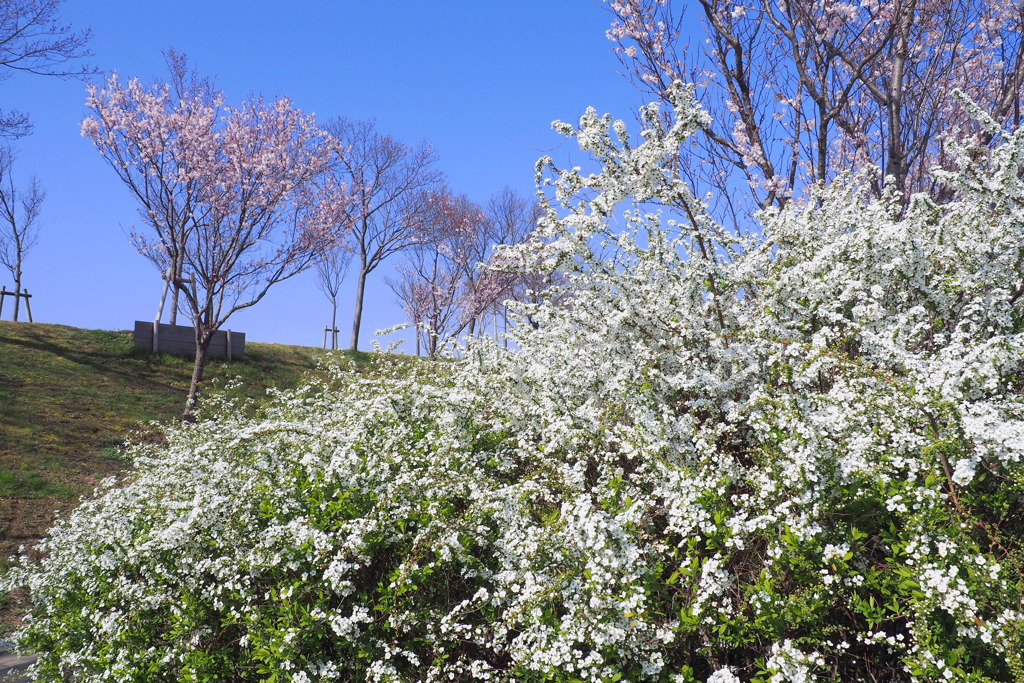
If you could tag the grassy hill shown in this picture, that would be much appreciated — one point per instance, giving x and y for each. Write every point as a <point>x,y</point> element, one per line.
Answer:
<point>69,397</point>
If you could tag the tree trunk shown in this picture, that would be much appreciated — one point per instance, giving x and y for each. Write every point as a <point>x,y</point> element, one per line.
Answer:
<point>17,293</point>
<point>470,328</point>
<point>173,320</point>
<point>897,154</point>
<point>357,316</point>
<point>175,279</point>
<point>203,339</point>
<point>822,164</point>
<point>430,341</point>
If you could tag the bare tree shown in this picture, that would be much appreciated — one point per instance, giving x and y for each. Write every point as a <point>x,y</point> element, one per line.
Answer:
<point>412,295</point>
<point>33,40</point>
<point>19,229</point>
<point>331,269</point>
<point>802,90</point>
<point>390,185</point>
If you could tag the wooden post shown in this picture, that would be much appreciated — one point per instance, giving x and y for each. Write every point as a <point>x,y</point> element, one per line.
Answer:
<point>160,310</point>
<point>228,338</point>
<point>16,294</point>
<point>334,337</point>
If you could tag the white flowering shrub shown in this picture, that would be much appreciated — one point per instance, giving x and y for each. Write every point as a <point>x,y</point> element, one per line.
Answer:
<point>792,456</point>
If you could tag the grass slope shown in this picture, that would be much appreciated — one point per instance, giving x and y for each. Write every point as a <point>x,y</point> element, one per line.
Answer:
<point>69,397</point>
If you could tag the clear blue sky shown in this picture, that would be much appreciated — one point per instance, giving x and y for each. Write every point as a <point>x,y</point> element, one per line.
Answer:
<point>481,81</point>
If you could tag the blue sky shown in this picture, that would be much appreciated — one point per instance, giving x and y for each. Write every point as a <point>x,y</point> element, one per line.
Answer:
<point>481,81</point>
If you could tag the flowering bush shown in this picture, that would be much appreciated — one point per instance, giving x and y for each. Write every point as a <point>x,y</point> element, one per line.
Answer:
<point>791,456</point>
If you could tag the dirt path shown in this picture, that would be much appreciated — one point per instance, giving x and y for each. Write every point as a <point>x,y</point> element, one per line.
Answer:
<point>12,666</point>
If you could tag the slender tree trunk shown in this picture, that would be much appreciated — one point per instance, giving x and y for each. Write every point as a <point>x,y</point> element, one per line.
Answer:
<point>431,341</point>
<point>203,339</point>
<point>358,315</point>
<point>822,164</point>
<point>175,278</point>
<point>470,329</point>
<point>897,153</point>
<point>17,292</point>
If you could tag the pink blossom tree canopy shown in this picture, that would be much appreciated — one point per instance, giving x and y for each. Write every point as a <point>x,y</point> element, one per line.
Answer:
<point>453,280</point>
<point>432,284</point>
<point>235,196</point>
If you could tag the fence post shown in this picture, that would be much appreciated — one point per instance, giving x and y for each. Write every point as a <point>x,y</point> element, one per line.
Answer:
<point>228,339</point>
<point>28,307</point>
<point>3,295</point>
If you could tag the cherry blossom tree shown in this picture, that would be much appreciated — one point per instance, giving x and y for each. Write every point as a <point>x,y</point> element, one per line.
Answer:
<point>801,90</point>
<point>413,295</point>
<point>453,279</point>
<point>428,288</point>
<point>390,185</point>
<point>226,192</point>
<point>435,282</point>
<point>511,219</point>
<point>19,227</point>
<point>33,40</point>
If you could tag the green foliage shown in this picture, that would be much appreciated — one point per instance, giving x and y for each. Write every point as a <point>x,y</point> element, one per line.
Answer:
<point>70,397</point>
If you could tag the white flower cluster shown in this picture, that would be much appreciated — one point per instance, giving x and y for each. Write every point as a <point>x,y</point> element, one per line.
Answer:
<point>791,455</point>
<point>789,665</point>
